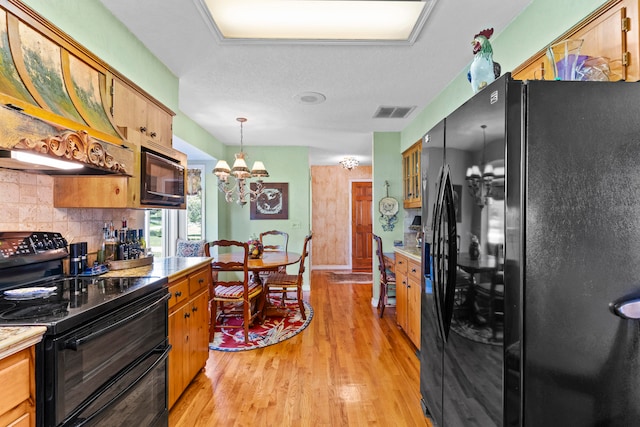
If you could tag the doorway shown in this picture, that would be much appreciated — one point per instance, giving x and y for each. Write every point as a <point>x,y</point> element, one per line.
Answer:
<point>361,227</point>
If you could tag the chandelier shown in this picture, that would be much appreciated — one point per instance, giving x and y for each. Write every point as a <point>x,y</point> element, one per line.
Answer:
<point>349,163</point>
<point>240,172</point>
<point>480,185</point>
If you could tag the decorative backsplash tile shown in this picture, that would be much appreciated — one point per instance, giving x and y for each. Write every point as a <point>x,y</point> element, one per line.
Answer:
<point>27,205</point>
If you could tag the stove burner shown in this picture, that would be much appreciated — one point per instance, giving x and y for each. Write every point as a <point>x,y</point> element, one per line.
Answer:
<point>35,311</point>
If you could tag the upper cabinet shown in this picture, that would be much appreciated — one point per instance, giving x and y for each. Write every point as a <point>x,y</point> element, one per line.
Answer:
<point>411,176</point>
<point>139,118</point>
<point>610,32</point>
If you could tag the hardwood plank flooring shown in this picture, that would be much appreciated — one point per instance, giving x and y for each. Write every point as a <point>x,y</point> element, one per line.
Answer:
<point>347,368</point>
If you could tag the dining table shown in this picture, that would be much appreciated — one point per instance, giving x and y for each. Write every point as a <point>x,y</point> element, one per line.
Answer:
<point>269,261</point>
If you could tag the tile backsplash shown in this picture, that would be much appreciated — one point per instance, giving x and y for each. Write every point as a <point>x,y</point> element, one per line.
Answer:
<point>27,200</point>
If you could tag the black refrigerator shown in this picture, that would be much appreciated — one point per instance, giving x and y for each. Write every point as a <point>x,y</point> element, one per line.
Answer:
<point>531,262</point>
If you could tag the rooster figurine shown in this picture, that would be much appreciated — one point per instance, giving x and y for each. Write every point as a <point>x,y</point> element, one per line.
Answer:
<point>483,69</point>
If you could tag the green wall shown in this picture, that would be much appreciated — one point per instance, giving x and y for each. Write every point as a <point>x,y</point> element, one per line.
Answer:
<point>386,167</point>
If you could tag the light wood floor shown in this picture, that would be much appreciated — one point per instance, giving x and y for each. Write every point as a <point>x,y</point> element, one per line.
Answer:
<point>347,368</point>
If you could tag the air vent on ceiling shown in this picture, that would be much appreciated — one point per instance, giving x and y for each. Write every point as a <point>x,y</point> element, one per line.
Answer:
<point>393,112</point>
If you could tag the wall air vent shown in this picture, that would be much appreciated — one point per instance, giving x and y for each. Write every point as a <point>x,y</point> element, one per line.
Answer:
<point>393,112</point>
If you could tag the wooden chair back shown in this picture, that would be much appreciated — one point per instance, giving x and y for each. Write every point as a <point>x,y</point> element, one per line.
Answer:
<point>219,266</point>
<point>305,253</point>
<point>274,240</point>
<point>382,267</point>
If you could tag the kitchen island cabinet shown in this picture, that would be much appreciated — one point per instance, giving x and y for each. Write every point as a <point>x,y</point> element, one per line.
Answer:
<point>408,288</point>
<point>17,374</point>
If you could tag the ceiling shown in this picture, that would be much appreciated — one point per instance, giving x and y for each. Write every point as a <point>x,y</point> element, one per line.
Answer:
<point>262,81</point>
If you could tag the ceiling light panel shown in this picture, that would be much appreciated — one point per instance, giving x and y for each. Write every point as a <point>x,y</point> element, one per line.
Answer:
<point>316,20</point>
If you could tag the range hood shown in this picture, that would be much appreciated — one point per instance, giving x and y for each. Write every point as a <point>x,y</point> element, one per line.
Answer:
<point>54,100</point>
<point>23,134</point>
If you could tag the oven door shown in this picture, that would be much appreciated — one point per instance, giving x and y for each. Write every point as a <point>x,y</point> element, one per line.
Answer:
<point>93,368</point>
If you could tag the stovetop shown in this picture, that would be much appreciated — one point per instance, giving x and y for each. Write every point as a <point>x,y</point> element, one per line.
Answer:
<point>76,300</point>
<point>33,259</point>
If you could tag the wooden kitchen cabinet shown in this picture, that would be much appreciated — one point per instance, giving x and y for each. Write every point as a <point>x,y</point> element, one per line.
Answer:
<point>188,329</point>
<point>411,176</point>
<point>140,118</point>
<point>408,302</point>
<point>17,394</point>
<point>611,32</point>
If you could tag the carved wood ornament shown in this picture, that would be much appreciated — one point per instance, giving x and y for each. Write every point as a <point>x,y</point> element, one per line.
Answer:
<point>78,146</point>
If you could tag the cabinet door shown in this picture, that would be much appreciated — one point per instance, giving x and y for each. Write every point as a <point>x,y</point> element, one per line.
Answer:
<point>178,355</point>
<point>91,192</point>
<point>411,176</point>
<point>610,33</point>
<point>401,300</point>
<point>413,310</point>
<point>159,129</point>
<point>16,398</point>
<point>198,334</point>
<point>129,110</point>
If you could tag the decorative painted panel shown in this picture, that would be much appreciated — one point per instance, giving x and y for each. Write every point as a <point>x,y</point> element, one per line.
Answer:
<point>10,82</point>
<point>86,85</point>
<point>43,64</point>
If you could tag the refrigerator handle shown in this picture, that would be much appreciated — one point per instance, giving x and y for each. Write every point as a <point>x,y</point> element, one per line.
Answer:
<point>438,256</point>
<point>449,284</point>
<point>627,309</point>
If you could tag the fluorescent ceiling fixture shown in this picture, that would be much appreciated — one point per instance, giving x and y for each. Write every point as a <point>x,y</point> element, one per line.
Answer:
<point>317,19</point>
<point>44,161</point>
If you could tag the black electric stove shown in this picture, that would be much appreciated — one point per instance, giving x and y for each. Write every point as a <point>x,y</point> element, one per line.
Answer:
<point>33,260</point>
<point>103,357</point>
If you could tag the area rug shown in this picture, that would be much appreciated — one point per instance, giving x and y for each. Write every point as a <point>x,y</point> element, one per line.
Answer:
<point>349,277</point>
<point>273,330</point>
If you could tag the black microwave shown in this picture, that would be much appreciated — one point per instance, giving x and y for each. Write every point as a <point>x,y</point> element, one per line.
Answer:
<point>162,180</point>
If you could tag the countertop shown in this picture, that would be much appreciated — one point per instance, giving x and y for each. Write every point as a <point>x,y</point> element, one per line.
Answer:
<point>16,338</point>
<point>170,267</point>
<point>412,252</point>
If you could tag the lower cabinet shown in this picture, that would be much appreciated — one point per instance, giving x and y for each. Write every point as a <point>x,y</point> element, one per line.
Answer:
<point>17,394</point>
<point>408,301</point>
<point>188,329</point>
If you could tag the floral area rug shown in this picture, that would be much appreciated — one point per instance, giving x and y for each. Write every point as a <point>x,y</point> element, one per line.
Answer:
<point>273,330</point>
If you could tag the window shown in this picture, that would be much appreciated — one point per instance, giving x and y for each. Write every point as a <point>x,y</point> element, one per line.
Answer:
<point>195,203</point>
<point>154,227</point>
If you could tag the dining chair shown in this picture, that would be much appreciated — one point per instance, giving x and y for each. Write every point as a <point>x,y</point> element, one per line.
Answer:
<point>274,240</point>
<point>387,278</point>
<point>282,283</point>
<point>230,296</point>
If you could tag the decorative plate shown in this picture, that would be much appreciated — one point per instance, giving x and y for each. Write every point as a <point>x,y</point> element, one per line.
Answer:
<point>388,206</point>
<point>29,293</point>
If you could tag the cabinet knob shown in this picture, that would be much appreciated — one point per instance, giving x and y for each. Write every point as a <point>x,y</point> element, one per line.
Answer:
<point>187,315</point>
<point>153,134</point>
<point>143,129</point>
<point>178,294</point>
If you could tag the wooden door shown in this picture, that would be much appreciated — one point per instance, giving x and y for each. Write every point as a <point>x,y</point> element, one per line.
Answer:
<point>361,226</point>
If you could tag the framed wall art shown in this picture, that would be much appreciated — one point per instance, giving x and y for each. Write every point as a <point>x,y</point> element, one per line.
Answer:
<point>273,203</point>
